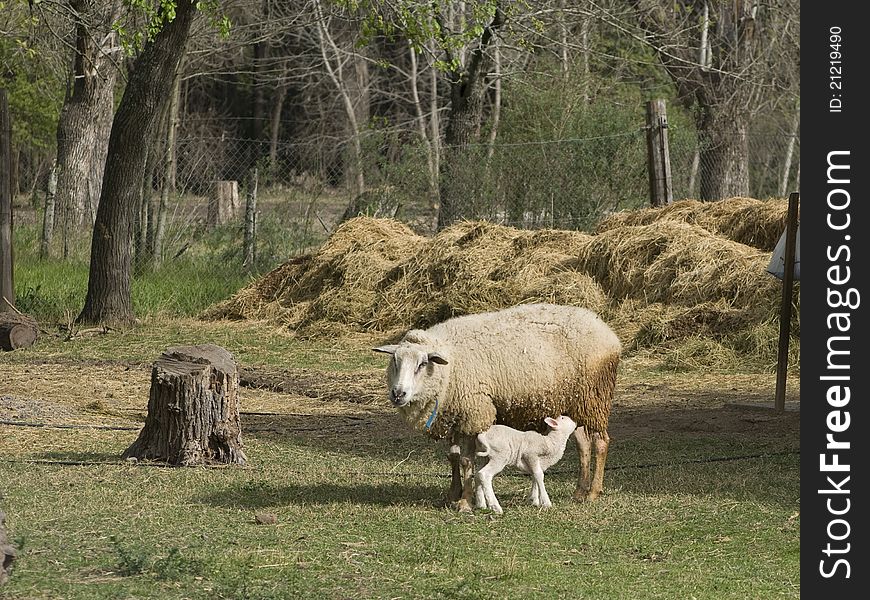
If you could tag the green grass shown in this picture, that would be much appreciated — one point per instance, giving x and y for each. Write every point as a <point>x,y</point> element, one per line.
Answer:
<point>717,530</point>
<point>688,513</point>
<point>359,508</point>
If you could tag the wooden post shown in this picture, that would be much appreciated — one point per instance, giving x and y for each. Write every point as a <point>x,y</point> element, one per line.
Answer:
<point>7,284</point>
<point>785,309</point>
<point>658,155</point>
<point>251,224</point>
<point>224,204</point>
<point>193,409</point>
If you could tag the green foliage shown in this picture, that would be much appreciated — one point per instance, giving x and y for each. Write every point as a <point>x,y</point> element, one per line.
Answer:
<point>158,14</point>
<point>34,89</point>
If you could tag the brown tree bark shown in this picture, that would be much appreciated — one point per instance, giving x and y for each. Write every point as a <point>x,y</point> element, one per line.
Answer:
<point>86,117</point>
<point>193,409</point>
<point>17,331</point>
<point>108,299</point>
<point>467,90</point>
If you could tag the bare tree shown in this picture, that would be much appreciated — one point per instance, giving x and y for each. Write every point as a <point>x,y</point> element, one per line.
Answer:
<point>86,117</point>
<point>728,61</point>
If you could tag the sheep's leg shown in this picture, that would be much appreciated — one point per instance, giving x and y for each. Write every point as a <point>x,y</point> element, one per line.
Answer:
<point>543,499</point>
<point>602,442</point>
<point>454,455</point>
<point>584,451</point>
<point>461,457</point>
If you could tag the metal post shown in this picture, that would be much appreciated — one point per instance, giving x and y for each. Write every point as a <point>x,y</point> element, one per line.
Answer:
<point>785,310</point>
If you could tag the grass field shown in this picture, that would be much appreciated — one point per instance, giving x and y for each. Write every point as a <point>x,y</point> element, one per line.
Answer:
<point>702,488</point>
<point>702,491</point>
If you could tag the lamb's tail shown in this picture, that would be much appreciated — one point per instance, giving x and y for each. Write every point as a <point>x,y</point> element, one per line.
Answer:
<point>482,446</point>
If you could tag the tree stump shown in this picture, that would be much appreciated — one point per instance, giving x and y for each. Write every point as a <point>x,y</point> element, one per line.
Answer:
<point>225,204</point>
<point>7,552</point>
<point>193,409</point>
<point>17,331</point>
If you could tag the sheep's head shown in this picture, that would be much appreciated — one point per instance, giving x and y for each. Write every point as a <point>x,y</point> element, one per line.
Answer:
<point>412,364</point>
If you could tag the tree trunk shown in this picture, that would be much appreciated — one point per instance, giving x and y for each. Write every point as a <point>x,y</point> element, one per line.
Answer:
<point>467,91</point>
<point>169,171</point>
<point>7,551</point>
<point>108,298</point>
<point>86,117</point>
<point>724,158</point>
<point>48,215</point>
<point>7,280</point>
<point>193,409</point>
<point>17,331</point>
<point>463,128</point>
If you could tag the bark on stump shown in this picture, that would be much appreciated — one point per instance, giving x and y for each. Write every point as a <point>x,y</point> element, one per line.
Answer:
<point>17,331</point>
<point>225,204</point>
<point>7,552</point>
<point>193,409</point>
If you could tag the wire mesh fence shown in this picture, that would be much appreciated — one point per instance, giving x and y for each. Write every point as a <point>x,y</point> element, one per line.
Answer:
<point>566,183</point>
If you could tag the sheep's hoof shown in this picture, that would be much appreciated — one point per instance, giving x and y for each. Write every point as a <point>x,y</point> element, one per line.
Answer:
<point>586,495</point>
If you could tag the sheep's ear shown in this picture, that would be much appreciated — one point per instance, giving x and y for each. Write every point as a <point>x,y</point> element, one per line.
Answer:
<point>553,423</point>
<point>436,358</point>
<point>389,349</point>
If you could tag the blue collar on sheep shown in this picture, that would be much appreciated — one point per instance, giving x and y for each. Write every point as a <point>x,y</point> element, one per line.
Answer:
<point>431,418</point>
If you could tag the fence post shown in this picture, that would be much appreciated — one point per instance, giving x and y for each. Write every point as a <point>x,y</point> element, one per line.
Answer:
<point>7,287</point>
<point>785,308</point>
<point>658,156</point>
<point>251,223</point>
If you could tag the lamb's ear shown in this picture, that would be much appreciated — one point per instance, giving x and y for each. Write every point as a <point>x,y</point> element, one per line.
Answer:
<point>389,349</point>
<point>553,423</point>
<point>436,358</point>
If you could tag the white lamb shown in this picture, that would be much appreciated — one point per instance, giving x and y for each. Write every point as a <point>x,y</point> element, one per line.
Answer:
<point>513,367</point>
<point>528,451</point>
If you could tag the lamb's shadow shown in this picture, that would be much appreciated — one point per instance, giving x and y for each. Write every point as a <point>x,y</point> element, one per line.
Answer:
<point>262,495</point>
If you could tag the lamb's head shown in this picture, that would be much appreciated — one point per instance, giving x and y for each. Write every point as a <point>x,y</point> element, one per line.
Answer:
<point>563,425</point>
<point>412,370</point>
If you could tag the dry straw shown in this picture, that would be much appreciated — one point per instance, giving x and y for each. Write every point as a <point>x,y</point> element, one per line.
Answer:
<point>756,223</point>
<point>659,276</point>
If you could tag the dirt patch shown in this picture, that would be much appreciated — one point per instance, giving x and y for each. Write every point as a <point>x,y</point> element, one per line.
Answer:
<point>324,403</point>
<point>358,388</point>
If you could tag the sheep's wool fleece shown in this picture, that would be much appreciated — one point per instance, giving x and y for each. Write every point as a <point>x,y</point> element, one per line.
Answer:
<point>515,367</point>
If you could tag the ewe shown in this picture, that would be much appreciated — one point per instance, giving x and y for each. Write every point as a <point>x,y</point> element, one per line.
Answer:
<point>528,451</point>
<point>513,367</point>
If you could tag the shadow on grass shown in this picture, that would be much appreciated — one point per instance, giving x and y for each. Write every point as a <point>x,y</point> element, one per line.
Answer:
<point>261,495</point>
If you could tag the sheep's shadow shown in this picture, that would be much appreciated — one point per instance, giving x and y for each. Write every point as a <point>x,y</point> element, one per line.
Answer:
<point>260,495</point>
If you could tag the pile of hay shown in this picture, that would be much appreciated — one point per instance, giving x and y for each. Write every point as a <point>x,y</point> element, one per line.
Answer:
<point>478,266</point>
<point>661,277</point>
<point>749,221</point>
<point>335,285</point>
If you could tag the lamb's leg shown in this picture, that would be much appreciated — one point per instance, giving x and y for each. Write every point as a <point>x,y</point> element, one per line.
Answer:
<point>602,442</point>
<point>584,452</point>
<point>543,498</point>
<point>485,495</point>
